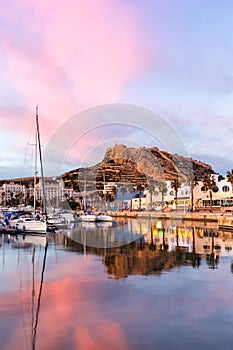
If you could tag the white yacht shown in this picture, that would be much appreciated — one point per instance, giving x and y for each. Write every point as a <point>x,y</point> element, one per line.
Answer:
<point>103,217</point>
<point>29,225</point>
<point>88,216</point>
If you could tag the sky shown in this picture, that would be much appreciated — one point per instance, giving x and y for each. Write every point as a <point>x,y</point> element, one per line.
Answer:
<point>171,57</point>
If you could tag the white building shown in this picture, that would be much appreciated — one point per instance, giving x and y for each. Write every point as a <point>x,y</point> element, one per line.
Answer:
<point>11,190</point>
<point>221,193</point>
<point>158,200</point>
<point>53,191</point>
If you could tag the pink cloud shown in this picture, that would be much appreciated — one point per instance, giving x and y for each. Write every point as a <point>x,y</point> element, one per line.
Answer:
<point>73,56</point>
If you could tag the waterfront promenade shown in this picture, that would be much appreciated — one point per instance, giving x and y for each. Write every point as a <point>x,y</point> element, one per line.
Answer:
<point>223,220</point>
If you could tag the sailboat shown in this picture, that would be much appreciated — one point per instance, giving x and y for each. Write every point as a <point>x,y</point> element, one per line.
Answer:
<point>28,224</point>
<point>88,216</point>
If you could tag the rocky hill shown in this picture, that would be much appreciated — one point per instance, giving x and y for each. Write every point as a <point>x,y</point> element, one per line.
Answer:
<point>129,166</point>
<point>134,166</point>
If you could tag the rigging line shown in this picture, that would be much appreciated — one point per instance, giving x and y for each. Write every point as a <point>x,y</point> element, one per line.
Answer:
<point>28,143</point>
<point>39,299</point>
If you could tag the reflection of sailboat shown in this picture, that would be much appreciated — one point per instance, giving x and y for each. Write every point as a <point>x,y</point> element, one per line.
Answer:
<point>88,225</point>
<point>34,241</point>
<point>104,224</point>
<point>35,324</point>
<point>38,240</point>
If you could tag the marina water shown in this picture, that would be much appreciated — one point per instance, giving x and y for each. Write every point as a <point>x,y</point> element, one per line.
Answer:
<point>131,284</point>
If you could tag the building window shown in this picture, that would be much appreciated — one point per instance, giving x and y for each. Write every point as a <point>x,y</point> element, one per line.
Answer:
<point>171,193</point>
<point>226,189</point>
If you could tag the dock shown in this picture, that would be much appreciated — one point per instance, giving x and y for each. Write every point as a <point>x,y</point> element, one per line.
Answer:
<point>224,222</point>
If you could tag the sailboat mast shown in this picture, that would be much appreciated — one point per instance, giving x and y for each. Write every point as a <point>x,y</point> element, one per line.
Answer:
<point>35,173</point>
<point>41,165</point>
<point>85,190</point>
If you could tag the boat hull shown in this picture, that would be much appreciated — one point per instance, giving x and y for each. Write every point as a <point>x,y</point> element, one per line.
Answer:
<point>88,218</point>
<point>30,226</point>
<point>104,218</point>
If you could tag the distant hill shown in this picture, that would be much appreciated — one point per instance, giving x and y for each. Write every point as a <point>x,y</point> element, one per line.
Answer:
<point>123,164</point>
<point>128,165</point>
<point>27,181</point>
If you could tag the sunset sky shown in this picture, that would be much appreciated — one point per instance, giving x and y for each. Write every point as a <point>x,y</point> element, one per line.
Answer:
<point>174,57</point>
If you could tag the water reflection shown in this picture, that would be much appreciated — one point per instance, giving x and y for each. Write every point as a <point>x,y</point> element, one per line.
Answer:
<point>113,296</point>
<point>28,249</point>
<point>154,240</point>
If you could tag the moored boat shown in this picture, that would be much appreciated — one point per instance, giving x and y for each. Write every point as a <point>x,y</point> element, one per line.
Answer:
<point>29,225</point>
<point>103,217</point>
<point>88,216</point>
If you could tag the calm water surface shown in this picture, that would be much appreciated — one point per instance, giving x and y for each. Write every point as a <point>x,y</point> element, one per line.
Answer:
<point>171,288</point>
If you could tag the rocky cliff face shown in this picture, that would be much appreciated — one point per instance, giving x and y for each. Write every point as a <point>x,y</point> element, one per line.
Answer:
<point>130,166</point>
<point>134,166</point>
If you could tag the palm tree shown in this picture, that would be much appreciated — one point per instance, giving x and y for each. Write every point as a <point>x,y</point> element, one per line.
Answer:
<point>230,177</point>
<point>163,191</point>
<point>12,197</point>
<point>91,197</point>
<point>16,201</point>
<point>140,189</point>
<point>175,184</point>
<point>192,181</point>
<point>131,190</point>
<point>4,199</point>
<point>151,190</point>
<point>96,198</point>
<point>209,183</point>
<point>123,191</point>
<point>20,197</point>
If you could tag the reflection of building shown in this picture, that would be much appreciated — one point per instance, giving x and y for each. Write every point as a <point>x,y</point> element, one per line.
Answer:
<point>154,248</point>
<point>202,241</point>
